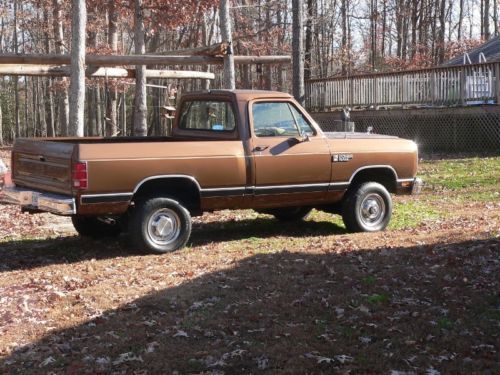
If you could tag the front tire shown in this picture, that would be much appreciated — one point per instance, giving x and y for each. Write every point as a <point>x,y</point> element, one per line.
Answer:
<point>160,225</point>
<point>367,208</point>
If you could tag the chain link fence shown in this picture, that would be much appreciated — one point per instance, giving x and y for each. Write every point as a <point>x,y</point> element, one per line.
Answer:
<point>469,129</point>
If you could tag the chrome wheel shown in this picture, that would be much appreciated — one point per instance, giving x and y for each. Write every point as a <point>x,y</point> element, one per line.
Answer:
<point>164,226</point>
<point>372,210</point>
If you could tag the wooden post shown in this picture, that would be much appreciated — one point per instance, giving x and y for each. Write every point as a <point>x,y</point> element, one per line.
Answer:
<point>433,88</point>
<point>138,59</point>
<point>463,88</point>
<point>351,93</point>
<point>497,82</point>
<point>91,72</point>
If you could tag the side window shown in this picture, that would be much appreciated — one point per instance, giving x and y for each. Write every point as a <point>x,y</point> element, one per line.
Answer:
<point>273,119</point>
<point>304,126</point>
<point>207,115</point>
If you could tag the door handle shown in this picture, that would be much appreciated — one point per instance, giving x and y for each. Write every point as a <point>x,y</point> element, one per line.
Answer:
<point>260,148</point>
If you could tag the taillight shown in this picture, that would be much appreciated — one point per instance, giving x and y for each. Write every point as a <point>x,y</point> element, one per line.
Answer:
<point>80,176</point>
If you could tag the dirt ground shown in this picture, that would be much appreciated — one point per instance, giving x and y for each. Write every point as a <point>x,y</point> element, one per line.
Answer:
<point>251,295</point>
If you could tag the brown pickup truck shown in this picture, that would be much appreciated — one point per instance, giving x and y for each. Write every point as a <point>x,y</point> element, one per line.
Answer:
<point>228,150</point>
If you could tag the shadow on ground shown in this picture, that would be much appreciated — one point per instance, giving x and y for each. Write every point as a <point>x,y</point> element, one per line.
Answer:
<point>374,310</point>
<point>29,254</point>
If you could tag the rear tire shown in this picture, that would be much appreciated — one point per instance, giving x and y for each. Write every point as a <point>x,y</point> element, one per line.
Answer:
<point>289,213</point>
<point>160,225</point>
<point>96,227</point>
<point>367,208</point>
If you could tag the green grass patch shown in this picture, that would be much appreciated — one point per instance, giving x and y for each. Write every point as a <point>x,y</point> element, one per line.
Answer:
<point>369,280</point>
<point>461,173</point>
<point>378,298</point>
<point>445,323</point>
<point>410,214</point>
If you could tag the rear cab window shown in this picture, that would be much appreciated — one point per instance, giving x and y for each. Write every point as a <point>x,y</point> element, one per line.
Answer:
<point>211,116</point>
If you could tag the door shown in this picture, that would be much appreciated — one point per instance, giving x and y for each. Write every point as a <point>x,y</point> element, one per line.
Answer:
<point>292,161</point>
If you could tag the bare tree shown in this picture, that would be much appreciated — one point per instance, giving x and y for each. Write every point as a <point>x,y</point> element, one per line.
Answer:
<point>495,16</point>
<point>1,126</point>
<point>16,80</point>
<point>141,107</point>
<point>49,97</point>
<point>298,50</point>
<point>111,105</point>
<point>486,20</point>
<point>59,47</point>
<point>344,45</point>
<point>460,20</point>
<point>311,8</point>
<point>77,84</point>
<point>225,26</point>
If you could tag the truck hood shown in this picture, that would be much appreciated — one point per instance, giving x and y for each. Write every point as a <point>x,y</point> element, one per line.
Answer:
<point>350,135</point>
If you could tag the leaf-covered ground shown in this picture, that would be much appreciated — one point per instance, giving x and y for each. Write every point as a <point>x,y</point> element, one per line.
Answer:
<point>252,295</point>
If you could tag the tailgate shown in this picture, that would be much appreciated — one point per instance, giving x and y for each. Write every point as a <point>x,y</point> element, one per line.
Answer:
<point>42,165</point>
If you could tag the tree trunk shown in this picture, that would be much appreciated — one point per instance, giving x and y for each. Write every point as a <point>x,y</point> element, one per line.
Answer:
<point>41,108</point>
<point>111,105</point>
<point>47,83</point>
<point>486,22</point>
<point>414,23</point>
<point>298,50</point>
<point>280,83</point>
<point>225,26</point>
<point>373,28</point>
<point>59,47</point>
<point>495,16</point>
<point>309,39</point>
<point>344,46</point>
<point>77,84</point>
<point>16,80</point>
<point>141,109</point>
<point>460,20</point>
<point>98,113</point>
<point>1,126</point>
<point>384,27</point>
<point>399,28</point>
<point>442,31</point>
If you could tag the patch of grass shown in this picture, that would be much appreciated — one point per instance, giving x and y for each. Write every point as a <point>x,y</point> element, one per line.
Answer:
<point>369,280</point>
<point>378,298</point>
<point>461,173</point>
<point>491,314</point>
<point>410,214</point>
<point>445,323</point>
<point>347,332</point>
<point>195,365</point>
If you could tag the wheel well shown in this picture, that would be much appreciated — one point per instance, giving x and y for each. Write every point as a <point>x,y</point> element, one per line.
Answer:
<point>183,189</point>
<point>383,176</point>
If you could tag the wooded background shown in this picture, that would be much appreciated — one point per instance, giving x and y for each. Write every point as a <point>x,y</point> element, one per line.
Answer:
<point>340,37</point>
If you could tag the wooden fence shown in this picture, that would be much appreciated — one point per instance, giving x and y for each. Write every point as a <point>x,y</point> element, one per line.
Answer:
<point>462,85</point>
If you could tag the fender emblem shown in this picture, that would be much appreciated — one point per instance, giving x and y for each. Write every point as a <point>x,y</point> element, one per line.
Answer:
<point>340,158</point>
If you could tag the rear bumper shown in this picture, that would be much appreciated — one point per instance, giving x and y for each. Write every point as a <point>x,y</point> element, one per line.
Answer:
<point>35,200</point>
<point>411,186</point>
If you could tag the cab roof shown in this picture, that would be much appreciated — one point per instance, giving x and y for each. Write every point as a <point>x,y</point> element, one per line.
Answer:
<point>240,95</point>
